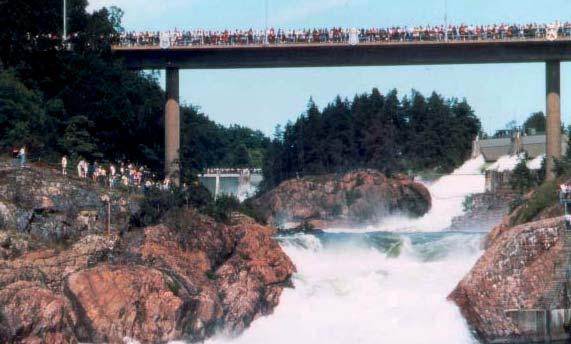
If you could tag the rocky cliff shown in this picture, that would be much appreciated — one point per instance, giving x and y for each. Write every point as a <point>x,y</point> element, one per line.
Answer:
<point>51,207</point>
<point>519,290</point>
<point>484,211</point>
<point>357,198</point>
<point>62,280</point>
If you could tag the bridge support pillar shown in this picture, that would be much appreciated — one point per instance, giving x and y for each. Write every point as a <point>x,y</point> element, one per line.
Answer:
<point>217,186</point>
<point>553,114</point>
<point>172,126</point>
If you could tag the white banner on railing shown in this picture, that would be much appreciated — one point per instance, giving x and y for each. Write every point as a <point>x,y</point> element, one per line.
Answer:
<point>165,40</point>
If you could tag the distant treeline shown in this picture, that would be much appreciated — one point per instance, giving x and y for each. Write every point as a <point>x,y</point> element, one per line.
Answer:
<point>373,131</point>
<point>82,102</point>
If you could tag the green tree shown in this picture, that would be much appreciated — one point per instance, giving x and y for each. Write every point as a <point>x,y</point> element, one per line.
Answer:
<point>521,179</point>
<point>22,114</point>
<point>241,157</point>
<point>77,141</point>
<point>535,121</point>
<point>374,131</point>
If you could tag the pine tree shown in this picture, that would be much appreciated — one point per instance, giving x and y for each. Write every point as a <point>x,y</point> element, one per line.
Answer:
<point>77,141</point>
<point>374,131</point>
<point>521,179</point>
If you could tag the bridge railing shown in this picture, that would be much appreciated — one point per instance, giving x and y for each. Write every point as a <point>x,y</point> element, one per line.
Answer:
<point>194,38</point>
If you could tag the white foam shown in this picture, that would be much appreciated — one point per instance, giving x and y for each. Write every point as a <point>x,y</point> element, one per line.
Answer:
<point>358,295</point>
<point>353,293</point>
<point>535,164</point>
<point>448,194</point>
<point>505,163</point>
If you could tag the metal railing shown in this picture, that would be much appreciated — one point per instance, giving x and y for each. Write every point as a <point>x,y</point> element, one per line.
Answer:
<point>200,38</point>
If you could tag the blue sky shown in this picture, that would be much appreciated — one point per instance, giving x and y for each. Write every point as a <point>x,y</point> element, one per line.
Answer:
<point>263,98</point>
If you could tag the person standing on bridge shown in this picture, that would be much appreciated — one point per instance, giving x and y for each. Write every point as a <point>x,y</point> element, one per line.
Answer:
<point>64,165</point>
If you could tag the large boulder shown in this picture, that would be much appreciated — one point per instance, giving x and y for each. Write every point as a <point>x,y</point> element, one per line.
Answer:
<point>518,291</point>
<point>188,278</point>
<point>229,274</point>
<point>126,301</point>
<point>31,313</point>
<point>356,198</point>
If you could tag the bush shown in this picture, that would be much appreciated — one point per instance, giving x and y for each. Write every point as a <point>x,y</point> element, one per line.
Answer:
<point>157,202</point>
<point>247,208</point>
<point>468,203</point>
<point>174,286</point>
<point>542,198</point>
<point>223,207</point>
<point>522,180</point>
<point>515,204</point>
<point>211,275</point>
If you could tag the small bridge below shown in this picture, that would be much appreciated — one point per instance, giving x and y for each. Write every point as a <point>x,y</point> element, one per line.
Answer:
<point>241,183</point>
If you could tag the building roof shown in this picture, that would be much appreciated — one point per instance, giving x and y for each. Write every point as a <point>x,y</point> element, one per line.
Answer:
<point>534,145</point>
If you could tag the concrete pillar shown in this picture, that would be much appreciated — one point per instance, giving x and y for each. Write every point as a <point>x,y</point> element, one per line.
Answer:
<point>172,126</point>
<point>553,114</point>
<point>217,186</point>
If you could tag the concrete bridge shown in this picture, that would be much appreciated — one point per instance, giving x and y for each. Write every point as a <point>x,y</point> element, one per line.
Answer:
<point>528,50</point>
<point>245,181</point>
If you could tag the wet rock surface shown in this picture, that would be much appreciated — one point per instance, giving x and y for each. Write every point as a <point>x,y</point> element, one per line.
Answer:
<point>484,212</point>
<point>524,270</point>
<point>353,199</point>
<point>187,278</point>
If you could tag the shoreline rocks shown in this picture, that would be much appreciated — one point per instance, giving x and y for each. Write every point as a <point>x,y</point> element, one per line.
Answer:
<point>55,208</point>
<point>518,289</point>
<point>354,199</point>
<point>485,211</point>
<point>187,278</point>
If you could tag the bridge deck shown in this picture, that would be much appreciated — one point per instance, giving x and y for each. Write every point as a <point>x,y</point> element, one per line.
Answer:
<point>343,54</point>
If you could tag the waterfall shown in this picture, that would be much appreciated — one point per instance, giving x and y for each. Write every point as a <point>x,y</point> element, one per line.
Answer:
<point>383,284</point>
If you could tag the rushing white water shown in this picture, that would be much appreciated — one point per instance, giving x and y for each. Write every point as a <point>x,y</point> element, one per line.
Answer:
<point>351,289</point>
<point>448,194</point>
<point>505,163</point>
<point>535,164</point>
<point>374,286</point>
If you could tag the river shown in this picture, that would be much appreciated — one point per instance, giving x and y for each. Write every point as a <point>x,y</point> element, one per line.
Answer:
<point>381,284</point>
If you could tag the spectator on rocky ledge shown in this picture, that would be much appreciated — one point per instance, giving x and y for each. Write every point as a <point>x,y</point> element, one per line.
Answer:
<point>64,165</point>
<point>15,154</point>
<point>22,156</point>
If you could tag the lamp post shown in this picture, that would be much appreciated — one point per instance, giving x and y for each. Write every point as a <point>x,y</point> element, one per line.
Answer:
<point>446,20</point>
<point>266,19</point>
<point>64,36</point>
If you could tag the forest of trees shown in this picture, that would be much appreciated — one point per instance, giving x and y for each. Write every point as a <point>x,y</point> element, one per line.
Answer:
<point>376,131</point>
<point>82,102</point>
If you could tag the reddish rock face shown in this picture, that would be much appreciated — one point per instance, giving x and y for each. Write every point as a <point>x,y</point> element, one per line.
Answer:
<point>522,269</point>
<point>355,198</point>
<point>35,314</point>
<point>186,279</point>
<point>126,301</point>
<point>257,265</point>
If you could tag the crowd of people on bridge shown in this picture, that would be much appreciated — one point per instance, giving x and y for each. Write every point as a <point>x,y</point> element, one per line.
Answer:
<point>462,32</point>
